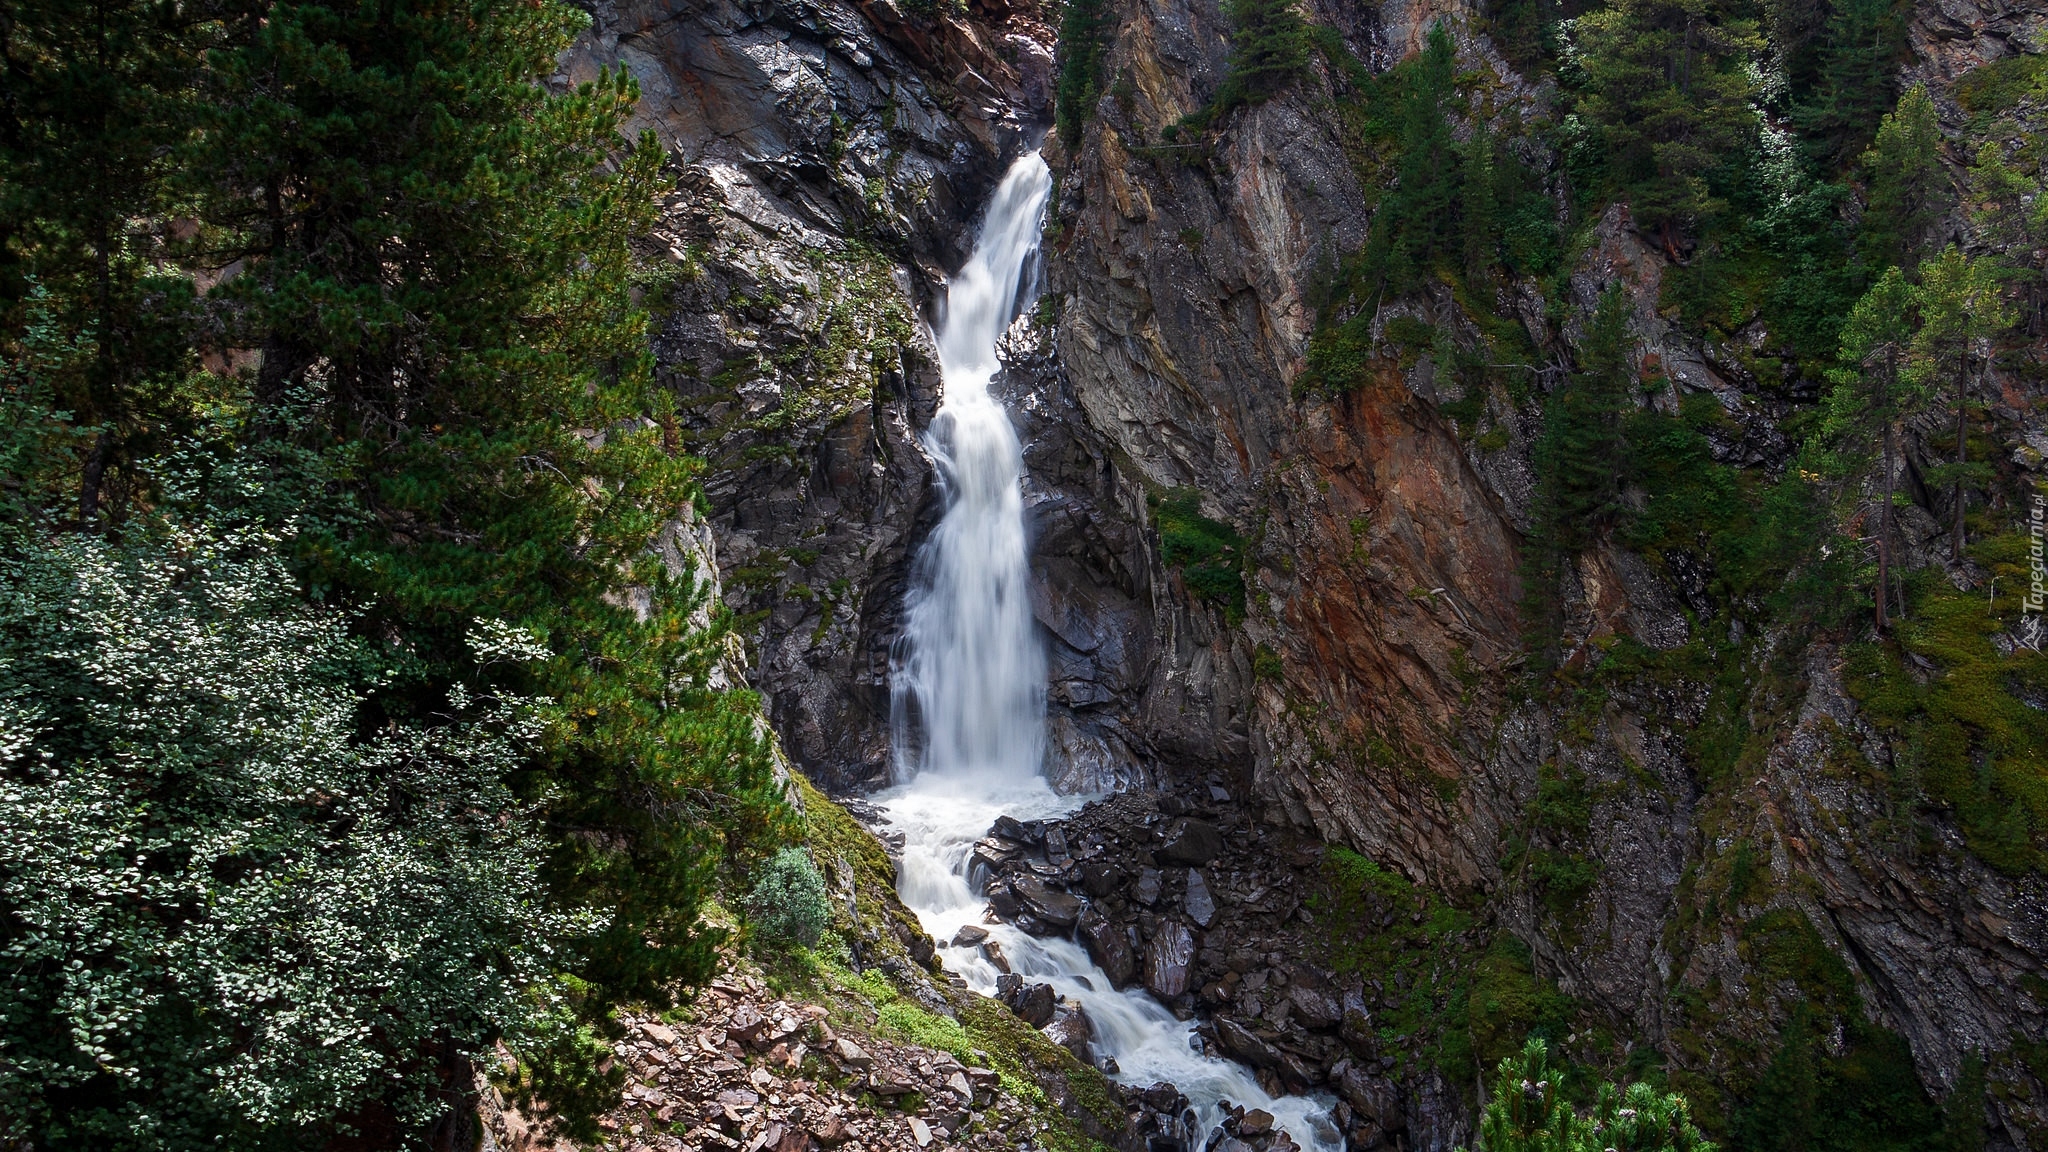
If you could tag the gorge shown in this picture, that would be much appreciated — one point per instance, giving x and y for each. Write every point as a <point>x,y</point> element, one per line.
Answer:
<point>1314,599</point>
<point>1024,575</point>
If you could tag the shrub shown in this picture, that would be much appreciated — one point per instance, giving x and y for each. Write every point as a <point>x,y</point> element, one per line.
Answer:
<point>788,904</point>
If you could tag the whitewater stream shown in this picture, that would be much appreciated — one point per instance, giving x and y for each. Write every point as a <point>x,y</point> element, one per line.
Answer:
<point>969,688</point>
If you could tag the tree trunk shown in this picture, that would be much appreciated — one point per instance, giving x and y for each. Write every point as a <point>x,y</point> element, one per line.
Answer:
<point>95,471</point>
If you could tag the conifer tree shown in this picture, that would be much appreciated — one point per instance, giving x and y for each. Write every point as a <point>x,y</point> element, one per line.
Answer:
<point>1668,85</point>
<point>1269,49</point>
<point>2009,211</point>
<point>1961,307</point>
<point>96,97</point>
<point>1908,191</point>
<point>436,254</point>
<point>1872,398</point>
<point>1850,82</point>
<point>1416,225</point>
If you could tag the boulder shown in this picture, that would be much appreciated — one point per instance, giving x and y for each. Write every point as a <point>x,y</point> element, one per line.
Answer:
<point>850,1054</point>
<point>1372,1097</point>
<point>1246,1045</point>
<point>1150,884</point>
<point>1169,959</point>
<point>1046,903</point>
<point>1256,1122</point>
<point>1192,842</point>
<point>747,1025</point>
<point>1034,1003</point>
<point>1108,947</point>
<point>1316,1009</point>
<point>1071,1029</point>
<point>1200,905</point>
<point>1099,878</point>
<point>969,934</point>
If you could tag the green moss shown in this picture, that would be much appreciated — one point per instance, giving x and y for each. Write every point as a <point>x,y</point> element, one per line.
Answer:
<point>1965,737</point>
<point>1998,87</point>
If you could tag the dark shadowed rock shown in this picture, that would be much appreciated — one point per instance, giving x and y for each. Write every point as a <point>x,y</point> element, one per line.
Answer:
<point>1316,1009</point>
<point>1192,842</point>
<point>1373,1097</point>
<point>1245,1044</point>
<point>1108,947</point>
<point>1102,879</point>
<point>1049,904</point>
<point>1034,1003</point>
<point>1168,960</point>
<point>1150,884</point>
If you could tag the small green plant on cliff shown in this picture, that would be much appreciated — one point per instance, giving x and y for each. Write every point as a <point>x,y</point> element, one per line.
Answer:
<point>788,904</point>
<point>1208,553</point>
<point>1529,1111</point>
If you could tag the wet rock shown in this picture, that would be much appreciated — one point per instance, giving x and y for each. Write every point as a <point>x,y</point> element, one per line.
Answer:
<point>1012,829</point>
<point>993,953</point>
<point>969,934</point>
<point>1071,1029</point>
<point>1102,879</point>
<point>1246,1045</point>
<point>1046,903</point>
<point>1200,906</point>
<point>1192,842</point>
<point>1168,960</point>
<point>1108,946</point>
<point>1149,886</point>
<point>1033,1003</point>
<point>1257,1122</point>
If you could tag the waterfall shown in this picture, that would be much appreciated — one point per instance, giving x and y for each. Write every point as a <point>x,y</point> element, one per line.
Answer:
<point>968,693</point>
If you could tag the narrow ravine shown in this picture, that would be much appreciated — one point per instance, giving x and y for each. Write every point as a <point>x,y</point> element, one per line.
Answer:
<point>969,708</point>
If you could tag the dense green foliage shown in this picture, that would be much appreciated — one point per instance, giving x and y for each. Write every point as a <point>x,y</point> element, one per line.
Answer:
<point>339,294</point>
<point>231,918</point>
<point>1087,29</point>
<point>788,905</point>
<point>1208,553</point>
<point>1529,1111</point>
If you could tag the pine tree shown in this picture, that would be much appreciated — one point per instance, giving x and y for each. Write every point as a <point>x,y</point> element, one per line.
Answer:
<point>1668,86</point>
<point>1415,228</point>
<point>96,97</point>
<point>435,256</point>
<point>2010,213</point>
<point>1908,191</point>
<point>1961,307</point>
<point>1269,49</point>
<point>1850,79</point>
<point>1872,398</point>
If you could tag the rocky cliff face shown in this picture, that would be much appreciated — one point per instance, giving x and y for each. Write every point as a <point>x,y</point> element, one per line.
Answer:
<point>1369,691</point>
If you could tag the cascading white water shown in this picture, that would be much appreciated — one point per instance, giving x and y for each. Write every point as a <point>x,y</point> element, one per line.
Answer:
<point>969,707</point>
<point>970,693</point>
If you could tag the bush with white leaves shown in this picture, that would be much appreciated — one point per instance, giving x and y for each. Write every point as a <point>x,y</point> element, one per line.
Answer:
<point>231,910</point>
